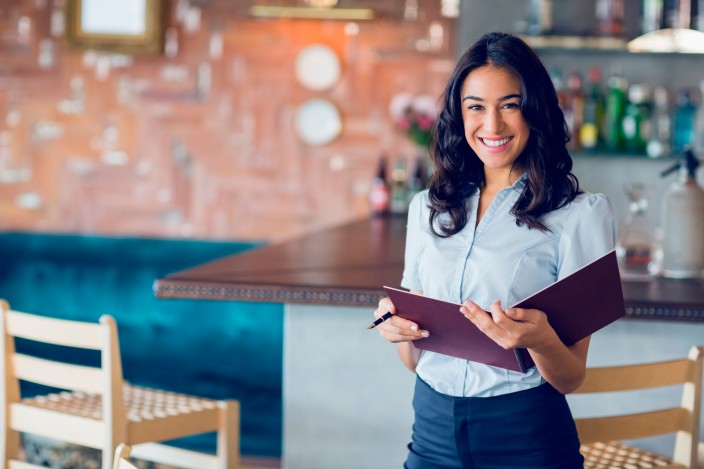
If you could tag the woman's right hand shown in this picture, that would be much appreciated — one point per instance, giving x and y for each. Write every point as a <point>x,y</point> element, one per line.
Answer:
<point>396,329</point>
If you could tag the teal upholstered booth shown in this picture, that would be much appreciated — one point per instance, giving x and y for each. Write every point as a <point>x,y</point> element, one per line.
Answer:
<point>218,349</point>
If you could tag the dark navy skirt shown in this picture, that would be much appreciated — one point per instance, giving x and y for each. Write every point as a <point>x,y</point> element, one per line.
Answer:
<point>521,430</point>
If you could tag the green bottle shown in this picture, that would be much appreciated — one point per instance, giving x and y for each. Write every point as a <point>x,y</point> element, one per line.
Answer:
<point>590,135</point>
<point>615,110</point>
<point>399,191</point>
<point>636,119</point>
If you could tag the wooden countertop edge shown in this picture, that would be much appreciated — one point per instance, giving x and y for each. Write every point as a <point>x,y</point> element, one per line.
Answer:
<point>270,274</point>
<point>635,309</point>
<point>165,288</point>
<point>638,309</point>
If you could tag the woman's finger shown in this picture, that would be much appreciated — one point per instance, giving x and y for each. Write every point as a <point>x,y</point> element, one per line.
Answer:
<point>486,320</point>
<point>401,329</point>
<point>385,306</point>
<point>476,314</point>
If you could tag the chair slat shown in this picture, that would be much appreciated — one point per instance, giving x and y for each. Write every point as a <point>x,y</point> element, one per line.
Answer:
<point>178,425</point>
<point>627,427</point>
<point>55,331</point>
<point>63,427</point>
<point>59,375</point>
<point>626,378</point>
<point>24,465</point>
<point>173,456</point>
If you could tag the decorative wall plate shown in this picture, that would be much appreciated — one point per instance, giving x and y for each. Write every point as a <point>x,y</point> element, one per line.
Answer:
<point>317,122</point>
<point>317,67</point>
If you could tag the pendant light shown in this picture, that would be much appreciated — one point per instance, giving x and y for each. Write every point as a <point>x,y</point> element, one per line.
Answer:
<point>313,9</point>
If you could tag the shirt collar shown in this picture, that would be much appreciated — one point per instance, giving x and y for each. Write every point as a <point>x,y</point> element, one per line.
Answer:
<point>520,183</point>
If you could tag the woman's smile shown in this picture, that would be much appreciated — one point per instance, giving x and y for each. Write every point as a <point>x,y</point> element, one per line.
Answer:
<point>495,143</point>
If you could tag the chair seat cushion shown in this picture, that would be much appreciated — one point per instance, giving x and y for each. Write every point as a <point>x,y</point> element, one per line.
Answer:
<point>141,403</point>
<point>616,455</point>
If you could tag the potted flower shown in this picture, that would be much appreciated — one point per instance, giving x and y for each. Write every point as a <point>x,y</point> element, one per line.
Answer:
<point>415,116</point>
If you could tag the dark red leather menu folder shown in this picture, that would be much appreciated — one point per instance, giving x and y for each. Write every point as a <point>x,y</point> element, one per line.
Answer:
<point>576,306</point>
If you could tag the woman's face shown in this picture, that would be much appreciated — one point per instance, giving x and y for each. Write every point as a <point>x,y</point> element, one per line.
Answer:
<point>493,123</point>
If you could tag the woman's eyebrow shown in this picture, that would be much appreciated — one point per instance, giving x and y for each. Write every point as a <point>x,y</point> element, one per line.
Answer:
<point>503,98</point>
<point>511,96</point>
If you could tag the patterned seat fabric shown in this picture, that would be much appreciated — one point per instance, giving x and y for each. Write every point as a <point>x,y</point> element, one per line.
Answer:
<point>616,455</point>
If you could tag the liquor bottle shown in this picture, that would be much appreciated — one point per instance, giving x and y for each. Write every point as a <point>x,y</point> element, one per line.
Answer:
<point>636,119</point>
<point>539,17</point>
<point>636,243</point>
<point>379,194</point>
<point>681,13</point>
<point>653,16</point>
<point>660,125</point>
<point>399,193</point>
<point>699,123</point>
<point>556,78</point>
<point>609,17</point>
<point>615,108</point>
<point>683,122</point>
<point>417,181</point>
<point>574,108</point>
<point>590,136</point>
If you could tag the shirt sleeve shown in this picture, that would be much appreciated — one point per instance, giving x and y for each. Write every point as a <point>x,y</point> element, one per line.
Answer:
<point>414,246</point>
<point>589,233</point>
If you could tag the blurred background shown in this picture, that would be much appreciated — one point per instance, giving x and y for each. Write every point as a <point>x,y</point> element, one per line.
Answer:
<point>236,123</point>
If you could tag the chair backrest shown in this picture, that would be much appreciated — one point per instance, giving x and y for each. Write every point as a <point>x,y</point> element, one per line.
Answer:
<point>105,381</point>
<point>684,420</point>
<point>121,454</point>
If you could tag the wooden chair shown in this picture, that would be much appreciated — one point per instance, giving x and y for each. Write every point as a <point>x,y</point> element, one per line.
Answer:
<point>601,436</point>
<point>121,454</point>
<point>98,409</point>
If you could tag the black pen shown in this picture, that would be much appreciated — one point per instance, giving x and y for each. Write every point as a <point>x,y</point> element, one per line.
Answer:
<point>380,320</point>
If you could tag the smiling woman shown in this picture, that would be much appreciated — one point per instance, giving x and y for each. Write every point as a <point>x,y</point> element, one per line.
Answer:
<point>502,214</point>
<point>129,26</point>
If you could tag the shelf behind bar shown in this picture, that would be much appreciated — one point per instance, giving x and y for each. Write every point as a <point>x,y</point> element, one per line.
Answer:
<point>663,42</point>
<point>596,43</point>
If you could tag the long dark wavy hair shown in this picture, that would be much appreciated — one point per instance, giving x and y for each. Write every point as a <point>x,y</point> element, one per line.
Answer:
<point>545,159</point>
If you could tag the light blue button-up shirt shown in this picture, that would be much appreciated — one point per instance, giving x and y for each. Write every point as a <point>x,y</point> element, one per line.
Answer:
<point>497,259</point>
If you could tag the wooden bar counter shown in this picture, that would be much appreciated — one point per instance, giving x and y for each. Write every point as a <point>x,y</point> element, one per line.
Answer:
<point>347,397</point>
<point>347,265</point>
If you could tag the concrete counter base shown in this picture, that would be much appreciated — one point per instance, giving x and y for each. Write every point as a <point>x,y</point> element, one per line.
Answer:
<point>347,396</point>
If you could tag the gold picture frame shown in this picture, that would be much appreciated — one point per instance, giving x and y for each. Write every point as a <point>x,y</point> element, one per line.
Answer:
<point>124,26</point>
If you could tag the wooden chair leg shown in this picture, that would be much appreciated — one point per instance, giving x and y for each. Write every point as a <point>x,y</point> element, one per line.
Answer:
<point>228,450</point>
<point>10,447</point>
<point>121,454</point>
<point>108,457</point>
<point>109,449</point>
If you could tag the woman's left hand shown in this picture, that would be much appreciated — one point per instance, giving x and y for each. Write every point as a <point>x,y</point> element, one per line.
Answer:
<point>513,327</point>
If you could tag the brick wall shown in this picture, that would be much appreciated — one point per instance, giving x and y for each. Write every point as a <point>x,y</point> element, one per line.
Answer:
<point>110,144</point>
